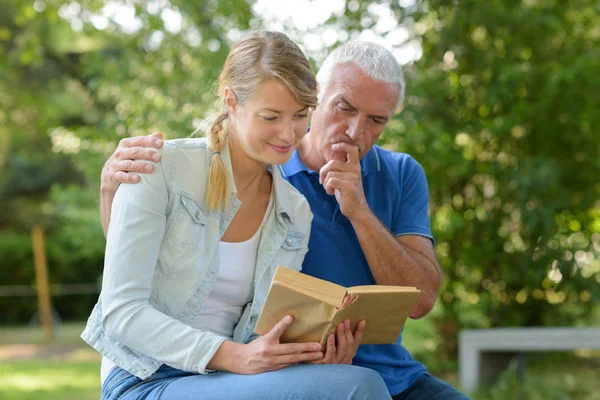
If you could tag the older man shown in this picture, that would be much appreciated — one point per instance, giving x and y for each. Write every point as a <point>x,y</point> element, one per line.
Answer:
<point>370,205</point>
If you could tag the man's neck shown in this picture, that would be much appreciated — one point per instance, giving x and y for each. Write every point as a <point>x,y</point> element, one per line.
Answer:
<point>310,157</point>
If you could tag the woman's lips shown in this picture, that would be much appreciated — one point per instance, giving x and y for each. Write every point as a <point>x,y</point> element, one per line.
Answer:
<point>281,149</point>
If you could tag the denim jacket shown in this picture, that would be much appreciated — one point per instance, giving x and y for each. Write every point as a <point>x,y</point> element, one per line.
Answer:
<point>162,260</point>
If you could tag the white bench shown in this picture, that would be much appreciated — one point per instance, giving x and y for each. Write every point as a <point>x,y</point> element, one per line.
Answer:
<point>474,344</point>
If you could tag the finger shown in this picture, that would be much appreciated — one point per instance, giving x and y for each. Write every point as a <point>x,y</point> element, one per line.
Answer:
<point>132,166</point>
<point>360,331</point>
<point>353,157</point>
<point>351,151</point>
<point>294,348</point>
<point>139,153</point>
<point>348,333</point>
<point>334,184</point>
<point>332,165</point>
<point>158,135</point>
<point>331,350</point>
<point>330,175</point>
<point>329,356</point>
<point>141,141</point>
<point>297,358</point>
<point>342,345</point>
<point>280,327</point>
<point>344,176</point>
<point>124,177</point>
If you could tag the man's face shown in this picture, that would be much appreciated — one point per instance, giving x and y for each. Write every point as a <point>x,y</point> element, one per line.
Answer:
<point>354,109</point>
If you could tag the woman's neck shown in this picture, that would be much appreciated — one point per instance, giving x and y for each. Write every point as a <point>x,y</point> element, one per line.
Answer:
<point>249,175</point>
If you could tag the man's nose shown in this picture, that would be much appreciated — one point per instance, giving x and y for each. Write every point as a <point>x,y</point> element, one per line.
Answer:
<point>356,128</point>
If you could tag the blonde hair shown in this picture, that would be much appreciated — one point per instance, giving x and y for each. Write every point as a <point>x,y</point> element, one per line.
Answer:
<point>259,56</point>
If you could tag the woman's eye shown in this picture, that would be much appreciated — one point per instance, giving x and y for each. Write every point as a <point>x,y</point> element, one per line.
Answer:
<point>301,115</point>
<point>269,119</point>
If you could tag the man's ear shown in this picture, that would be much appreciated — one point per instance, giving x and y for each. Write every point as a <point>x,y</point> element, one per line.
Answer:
<point>231,101</point>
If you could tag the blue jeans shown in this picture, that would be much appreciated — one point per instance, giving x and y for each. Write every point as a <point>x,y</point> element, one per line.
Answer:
<point>429,387</point>
<point>314,382</point>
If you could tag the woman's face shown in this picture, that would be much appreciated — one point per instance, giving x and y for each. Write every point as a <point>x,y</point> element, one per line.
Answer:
<point>269,125</point>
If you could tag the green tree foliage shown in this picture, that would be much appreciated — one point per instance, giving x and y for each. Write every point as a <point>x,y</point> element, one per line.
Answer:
<point>502,111</point>
<point>76,77</point>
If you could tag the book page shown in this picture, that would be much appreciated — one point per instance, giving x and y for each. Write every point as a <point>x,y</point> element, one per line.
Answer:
<point>385,313</point>
<point>380,288</point>
<point>318,288</point>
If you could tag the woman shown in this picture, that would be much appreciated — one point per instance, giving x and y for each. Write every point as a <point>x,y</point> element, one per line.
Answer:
<point>191,251</point>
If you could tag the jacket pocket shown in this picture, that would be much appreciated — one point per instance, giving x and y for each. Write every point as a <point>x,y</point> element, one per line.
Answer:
<point>293,241</point>
<point>291,251</point>
<point>188,225</point>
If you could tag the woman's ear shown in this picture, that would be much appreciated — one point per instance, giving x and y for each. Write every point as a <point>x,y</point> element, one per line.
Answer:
<point>230,101</point>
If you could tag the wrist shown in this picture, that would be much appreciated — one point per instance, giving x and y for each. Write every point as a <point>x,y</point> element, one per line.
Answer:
<point>225,356</point>
<point>362,215</point>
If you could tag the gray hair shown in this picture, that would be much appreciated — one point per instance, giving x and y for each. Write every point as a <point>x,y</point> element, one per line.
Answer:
<point>375,60</point>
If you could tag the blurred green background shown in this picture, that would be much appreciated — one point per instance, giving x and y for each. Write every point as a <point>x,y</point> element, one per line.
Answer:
<point>502,111</point>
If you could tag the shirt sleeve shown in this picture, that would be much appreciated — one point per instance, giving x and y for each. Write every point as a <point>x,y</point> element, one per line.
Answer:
<point>412,212</point>
<point>136,230</point>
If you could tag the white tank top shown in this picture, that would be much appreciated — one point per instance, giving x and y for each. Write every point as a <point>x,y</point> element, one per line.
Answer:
<point>233,289</point>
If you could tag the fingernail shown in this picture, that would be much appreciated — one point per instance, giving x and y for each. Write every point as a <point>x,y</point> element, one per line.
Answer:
<point>148,168</point>
<point>158,142</point>
<point>156,157</point>
<point>317,347</point>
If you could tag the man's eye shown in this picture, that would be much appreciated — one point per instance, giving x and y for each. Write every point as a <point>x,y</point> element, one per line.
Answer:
<point>269,119</point>
<point>343,108</point>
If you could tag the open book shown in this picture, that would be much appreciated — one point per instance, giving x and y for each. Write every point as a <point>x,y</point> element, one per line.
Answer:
<point>319,306</point>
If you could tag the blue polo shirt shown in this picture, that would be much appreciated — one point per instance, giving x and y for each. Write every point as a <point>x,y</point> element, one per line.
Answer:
<point>396,190</point>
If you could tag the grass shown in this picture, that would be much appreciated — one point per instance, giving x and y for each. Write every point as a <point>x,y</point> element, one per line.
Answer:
<point>49,379</point>
<point>31,368</point>
<point>74,371</point>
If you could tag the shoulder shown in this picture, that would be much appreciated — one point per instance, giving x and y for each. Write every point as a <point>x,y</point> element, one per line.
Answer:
<point>186,146</point>
<point>397,165</point>
<point>188,153</point>
<point>186,163</point>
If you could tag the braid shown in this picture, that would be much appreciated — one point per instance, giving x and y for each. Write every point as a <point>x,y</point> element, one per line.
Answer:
<point>218,182</point>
